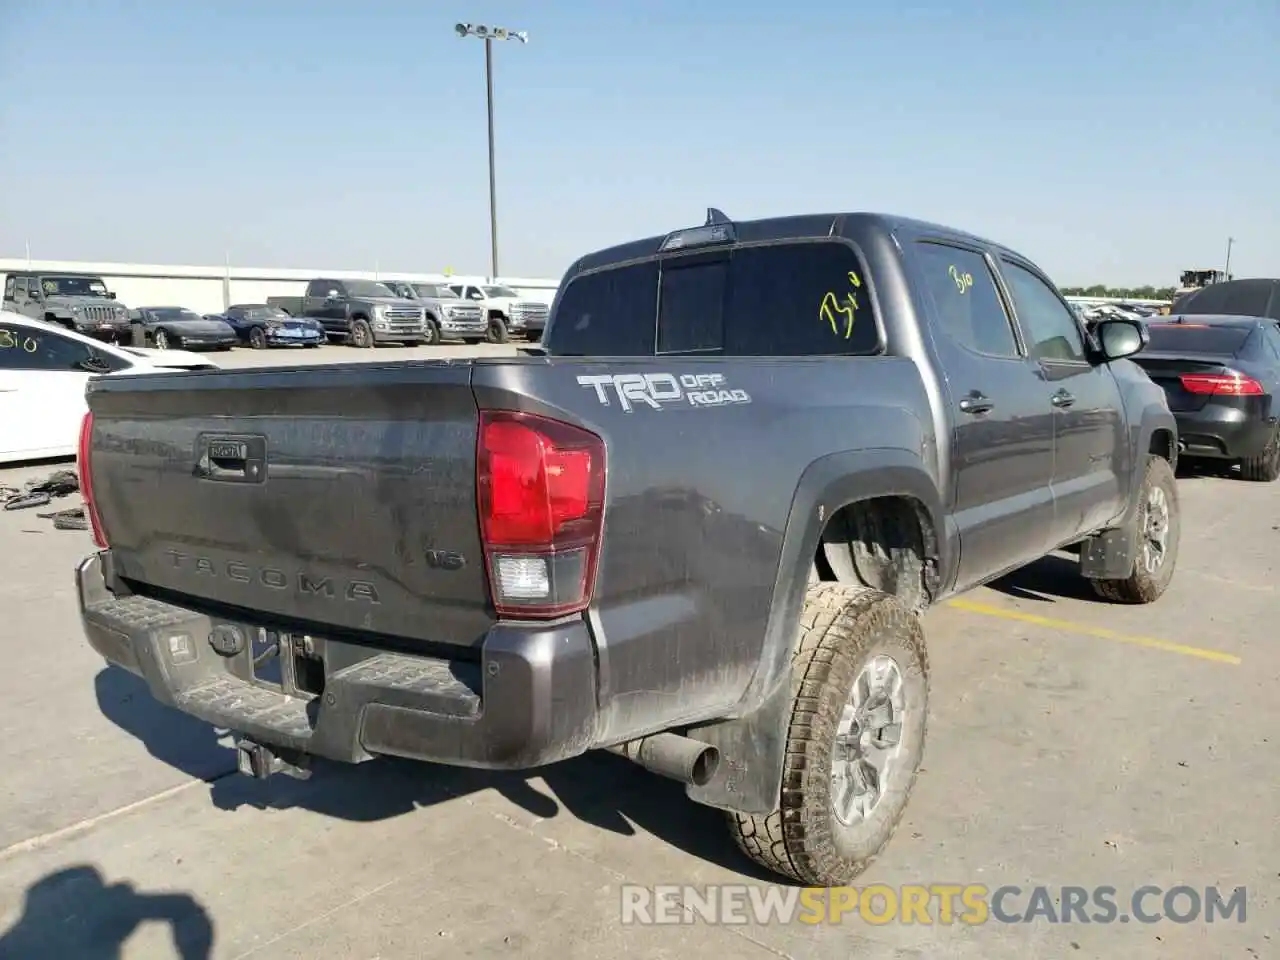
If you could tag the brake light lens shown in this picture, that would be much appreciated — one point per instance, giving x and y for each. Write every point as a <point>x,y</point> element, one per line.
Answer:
<point>84,467</point>
<point>540,493</point>
<point>1229,383</point>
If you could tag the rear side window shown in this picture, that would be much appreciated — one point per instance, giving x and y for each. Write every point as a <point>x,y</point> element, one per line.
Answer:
<point>10,282</point>
<point>780,300</point>
<point>965,301</point>
<point>799,300</point>
<point>1193,338</point>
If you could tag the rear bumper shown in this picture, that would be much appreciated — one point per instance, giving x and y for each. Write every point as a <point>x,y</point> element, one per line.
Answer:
<point>1223,432</point>
<point>528,701</point>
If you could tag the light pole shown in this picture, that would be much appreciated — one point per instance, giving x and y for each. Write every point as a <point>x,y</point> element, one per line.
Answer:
<point>1231,242</point>
<point>488,35</point>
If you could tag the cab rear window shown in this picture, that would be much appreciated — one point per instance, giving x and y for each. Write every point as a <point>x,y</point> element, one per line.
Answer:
<point>807,298</point>
<point>1192,338</point>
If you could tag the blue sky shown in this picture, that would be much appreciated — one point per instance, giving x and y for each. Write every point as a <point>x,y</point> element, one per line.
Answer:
<point>1116,141</point>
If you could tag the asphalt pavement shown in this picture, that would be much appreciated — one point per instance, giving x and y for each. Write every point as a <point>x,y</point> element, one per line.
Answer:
<point>1072,744</point>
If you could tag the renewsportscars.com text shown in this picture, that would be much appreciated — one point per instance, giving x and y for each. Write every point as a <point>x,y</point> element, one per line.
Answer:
<point>937,903</point>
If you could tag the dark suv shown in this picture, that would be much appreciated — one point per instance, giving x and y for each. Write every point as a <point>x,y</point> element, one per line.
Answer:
<point>77,301</point>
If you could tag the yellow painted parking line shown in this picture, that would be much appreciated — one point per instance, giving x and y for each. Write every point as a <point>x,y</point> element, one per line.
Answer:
<point>1102,633</point>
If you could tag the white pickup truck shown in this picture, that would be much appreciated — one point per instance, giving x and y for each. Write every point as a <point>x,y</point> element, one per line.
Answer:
<point>519,316</point>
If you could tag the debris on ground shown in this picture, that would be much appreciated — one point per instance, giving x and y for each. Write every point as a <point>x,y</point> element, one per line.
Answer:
<point>38,493</point>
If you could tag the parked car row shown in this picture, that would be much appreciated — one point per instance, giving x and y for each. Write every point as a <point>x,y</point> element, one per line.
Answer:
<point>361,313</point>
<point>365,313</point>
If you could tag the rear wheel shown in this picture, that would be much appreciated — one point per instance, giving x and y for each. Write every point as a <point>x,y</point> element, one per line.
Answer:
<point>1265,467</point>
<point>258,338</point>
<point>361,333</point>
<point>1159,526</point>
<point>860,700</point>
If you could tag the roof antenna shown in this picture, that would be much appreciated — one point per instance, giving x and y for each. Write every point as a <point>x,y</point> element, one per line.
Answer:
<point>715,217</point>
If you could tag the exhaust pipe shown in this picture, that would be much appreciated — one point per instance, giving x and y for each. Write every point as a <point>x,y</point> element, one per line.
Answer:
<point>674,756</point>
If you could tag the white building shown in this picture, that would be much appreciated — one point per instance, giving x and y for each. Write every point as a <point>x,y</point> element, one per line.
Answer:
<point>213,289</point>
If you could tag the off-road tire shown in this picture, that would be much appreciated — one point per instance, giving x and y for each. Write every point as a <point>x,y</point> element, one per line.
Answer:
<point>1265,467</point>
<point>841,628</point>
<point>1142,586</point>
<point>497,332</point>
<point>258,338</point>
<point>361,334</point>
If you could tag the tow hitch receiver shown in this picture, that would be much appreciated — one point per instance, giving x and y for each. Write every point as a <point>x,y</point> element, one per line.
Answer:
<point>260,761</point>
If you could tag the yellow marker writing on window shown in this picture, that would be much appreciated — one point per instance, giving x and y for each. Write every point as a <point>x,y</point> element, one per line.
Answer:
<point>963,281</point>
<point>11,341</point>
<point>846,308</point>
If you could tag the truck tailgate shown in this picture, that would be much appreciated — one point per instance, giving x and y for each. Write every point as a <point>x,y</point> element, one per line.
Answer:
<point>342,495</point>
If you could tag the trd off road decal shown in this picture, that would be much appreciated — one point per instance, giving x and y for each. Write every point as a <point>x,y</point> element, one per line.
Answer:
<point>662,390</point>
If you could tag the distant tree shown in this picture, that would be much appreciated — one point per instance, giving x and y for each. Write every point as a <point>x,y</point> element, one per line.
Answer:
<point>1146,292</point>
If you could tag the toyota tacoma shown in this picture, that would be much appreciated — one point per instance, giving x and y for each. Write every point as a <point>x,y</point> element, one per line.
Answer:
<point>695,527</point>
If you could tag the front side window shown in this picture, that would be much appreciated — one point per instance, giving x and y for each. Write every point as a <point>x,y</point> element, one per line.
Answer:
<point>970,312</point>
<point>1049,326</point>
<point>10,284</point>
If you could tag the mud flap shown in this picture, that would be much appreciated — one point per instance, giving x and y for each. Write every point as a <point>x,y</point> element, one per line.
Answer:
<point>1110,554</point>
<point>752,748</point>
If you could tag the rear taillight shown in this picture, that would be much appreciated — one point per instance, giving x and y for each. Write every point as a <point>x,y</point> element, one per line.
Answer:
<point>540,491</point>
<point>1229,383</point>
<point>84,465</point>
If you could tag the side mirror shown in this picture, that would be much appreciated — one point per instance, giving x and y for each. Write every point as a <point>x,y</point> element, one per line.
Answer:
<point>35,295</point>
<point>111,294</point>
<point>1121,338</point>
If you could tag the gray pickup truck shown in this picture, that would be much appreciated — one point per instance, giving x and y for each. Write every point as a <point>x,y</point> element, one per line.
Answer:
<point>362,313</point>
<point>77,301</point>
<point>449,317</point>
<point>695,527</point>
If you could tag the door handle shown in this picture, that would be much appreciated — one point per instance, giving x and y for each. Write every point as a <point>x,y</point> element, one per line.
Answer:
<point>976,403</point>
<point>1062,399</point>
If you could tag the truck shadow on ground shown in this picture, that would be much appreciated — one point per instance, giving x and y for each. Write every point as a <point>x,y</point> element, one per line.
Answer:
<point>72,914</point>
<point>599,789</point>
<point>1049,579</point>
<point>182,742</point>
